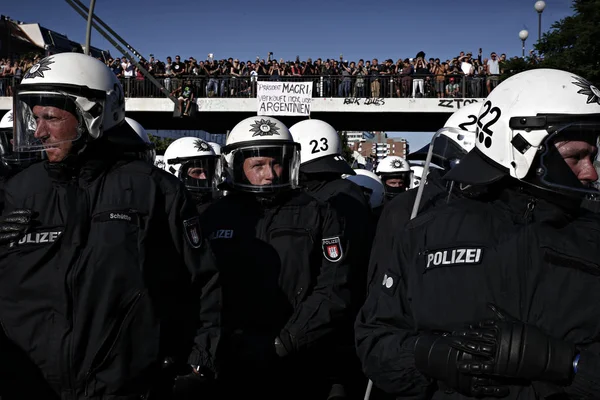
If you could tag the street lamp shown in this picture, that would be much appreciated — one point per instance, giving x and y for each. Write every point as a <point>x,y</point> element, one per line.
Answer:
<point>523,35</point>
<point>539,7</point>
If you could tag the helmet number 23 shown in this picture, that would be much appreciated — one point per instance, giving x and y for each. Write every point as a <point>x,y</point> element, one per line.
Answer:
<point>316,148</point>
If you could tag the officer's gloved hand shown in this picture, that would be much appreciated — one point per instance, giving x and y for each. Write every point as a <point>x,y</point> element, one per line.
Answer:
<point>14,225</point>
<point>507,347</point>
<point>436,358</point>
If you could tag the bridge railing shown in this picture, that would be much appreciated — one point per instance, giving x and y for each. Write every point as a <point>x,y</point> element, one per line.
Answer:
<point>383,86</point>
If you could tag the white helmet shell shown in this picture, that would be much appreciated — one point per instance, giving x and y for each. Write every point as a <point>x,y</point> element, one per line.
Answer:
<point>195,163</point>
<point>392,165</point>
<point>317,139</point>
<point>183,149</point>
<point>465,118</point>
<point>148,154</point>
<point>462,125</point>
<point>216,147</point>
<point>7,121</point>
<point>259,128</point>
<point>517,105</point>
<point>139,129</point>
<point>417,175</point>
<point>261,135</point>
<point>95,90</point>
<point>370,181</point>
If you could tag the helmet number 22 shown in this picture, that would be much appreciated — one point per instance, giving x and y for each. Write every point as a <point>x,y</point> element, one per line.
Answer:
<point>315,144</point>
<point>486,127</point>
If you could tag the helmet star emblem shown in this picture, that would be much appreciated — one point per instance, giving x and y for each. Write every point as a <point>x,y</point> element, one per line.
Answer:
<point>201,145</point>
<point>397,164</point>
<point>37,70</point>
<point>587,89</point>
<point>264,127</point>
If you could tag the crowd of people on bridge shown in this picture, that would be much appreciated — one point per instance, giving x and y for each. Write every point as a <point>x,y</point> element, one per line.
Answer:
<point>465,75</point>
<point>462,76</point>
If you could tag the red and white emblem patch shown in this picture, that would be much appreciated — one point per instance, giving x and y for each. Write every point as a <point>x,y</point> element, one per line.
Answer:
<point>332,249</point>
<point>192,231</point>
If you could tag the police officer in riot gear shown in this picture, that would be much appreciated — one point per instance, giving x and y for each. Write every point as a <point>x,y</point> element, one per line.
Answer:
<point>451,144</point>
<point>287,281</point>
<point>497,295</point>
<point>147,151</point>
<point>371,186</point>
<point>321,172</point>
<point>113,276</point>
<point>194,162</point>
<point>396,175</point>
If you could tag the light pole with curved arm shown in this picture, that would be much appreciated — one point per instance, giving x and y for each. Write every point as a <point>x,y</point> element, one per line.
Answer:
<point>88,30</point>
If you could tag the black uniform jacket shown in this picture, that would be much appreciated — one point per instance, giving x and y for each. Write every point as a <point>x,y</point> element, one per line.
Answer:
<point>284,269</point>
<point>114,277</point>
<point>533,259</point>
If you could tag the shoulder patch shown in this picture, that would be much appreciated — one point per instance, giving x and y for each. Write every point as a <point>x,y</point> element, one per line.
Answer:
<point>192,231</point>
<point>468,255</point>
<point>332,249</point>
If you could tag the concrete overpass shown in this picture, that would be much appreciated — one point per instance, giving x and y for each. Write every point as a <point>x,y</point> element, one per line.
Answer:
<point>353,114</point>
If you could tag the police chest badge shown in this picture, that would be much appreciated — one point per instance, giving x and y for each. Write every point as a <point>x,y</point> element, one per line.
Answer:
<point>332,249</point>
<point>192,231</point>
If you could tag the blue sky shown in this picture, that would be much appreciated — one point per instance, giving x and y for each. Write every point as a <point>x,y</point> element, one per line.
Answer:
<point>308,28</point>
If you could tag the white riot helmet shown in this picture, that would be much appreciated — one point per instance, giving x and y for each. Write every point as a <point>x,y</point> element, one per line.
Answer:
<point>148,154</point>
<point>9,158</point>
<point>417,170</point>
<point>393,168</point>
<point>195,163</point>
<point>371,185</point>
<point>417,175</point>
<point>260,156</point>
<point>216,147</point>
<point>73,82</point>
<point>538,126</point>
<point>159,162</point>
<point>321,149</point>
<point>454,140</point>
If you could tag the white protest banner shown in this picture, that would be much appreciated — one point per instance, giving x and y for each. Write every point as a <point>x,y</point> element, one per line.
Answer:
<point>284,98</point>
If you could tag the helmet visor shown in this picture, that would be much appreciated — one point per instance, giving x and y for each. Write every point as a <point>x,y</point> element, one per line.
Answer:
<point>49,119</point>
<point>264,168</point>
<point>199,175</point>
<point>397,182</point>
<point>14,159</point>
<point>446,152</point>
<point>569,162</point>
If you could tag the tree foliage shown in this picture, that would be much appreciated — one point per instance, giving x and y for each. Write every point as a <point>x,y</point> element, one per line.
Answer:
<point>573,43</point>
<point>160,143</point>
